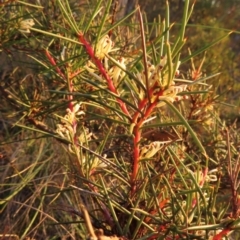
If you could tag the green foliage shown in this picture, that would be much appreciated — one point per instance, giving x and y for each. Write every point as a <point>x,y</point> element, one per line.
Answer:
<point>211,20</point>
<point>108,125</point>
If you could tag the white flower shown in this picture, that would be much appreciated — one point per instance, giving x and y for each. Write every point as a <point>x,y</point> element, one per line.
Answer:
<point>63,53</point>
<point>85,136</point>
<point>69,122</point>
<point>211,177</point>
<point>25,25</point>
<point>70,117</point>
<point>170,94</point>
<point>203,176</point>
<point>150,150</point>
<point>103,47</point>
<point>117,73</point>
<point>158,77</point>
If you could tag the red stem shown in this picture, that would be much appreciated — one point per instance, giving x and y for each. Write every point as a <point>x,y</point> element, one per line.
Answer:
<point>53,62</point>
<point>70,97</point>
<point>143,103</point>
<point>205,173</point>
<point>137,135</point>
<point>222,234</point>
<point>102,70</point>
<point>136,154</point>
<point>72,75</point>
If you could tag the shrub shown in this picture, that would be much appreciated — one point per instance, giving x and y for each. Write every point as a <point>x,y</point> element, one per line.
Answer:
<point>114,141</point>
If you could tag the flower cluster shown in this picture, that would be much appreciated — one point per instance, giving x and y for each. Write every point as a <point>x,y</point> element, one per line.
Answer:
<point>67,129</point>
<point>117,73</point>
<point>204,176</point>
<point>157,75</point>
<point>103,47</point>
<point>148,151</point>
<point>25,25</point>
<point>159,80</point>
<point>171,94</point>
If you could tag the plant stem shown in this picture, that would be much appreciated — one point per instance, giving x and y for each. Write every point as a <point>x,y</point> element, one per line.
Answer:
<point>136,154</point>
<point>137,134</point>
<point>53,63</point>
<point>102,70</point>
